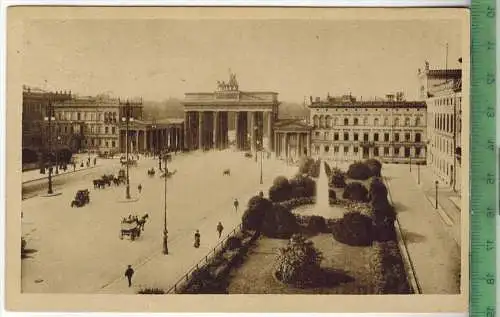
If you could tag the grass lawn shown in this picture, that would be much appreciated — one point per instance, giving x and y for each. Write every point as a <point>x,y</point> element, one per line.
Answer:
<point>347,269</point>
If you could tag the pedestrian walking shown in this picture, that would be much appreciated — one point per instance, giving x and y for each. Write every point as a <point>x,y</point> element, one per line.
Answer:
<point>197,238</point>
<point>128,273</point>
<point>236,204</point>
<point>74,166</point>
<point>220,228</point>
<point>95,161</point>
<point>139,188</point>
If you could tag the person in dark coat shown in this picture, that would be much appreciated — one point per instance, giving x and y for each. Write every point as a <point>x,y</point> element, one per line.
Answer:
<point>128,273</point>
<point>139,188</point>
<point>236,204</point>
<point>197,238</point>
<point>220,228</point>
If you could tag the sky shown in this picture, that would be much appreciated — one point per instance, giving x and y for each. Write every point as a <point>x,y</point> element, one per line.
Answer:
<point>161,58</point>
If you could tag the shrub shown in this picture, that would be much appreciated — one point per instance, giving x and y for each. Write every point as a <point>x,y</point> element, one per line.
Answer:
<point>296,202</point>
<point>302,186</point>
<point>377,188</point>
<point>328,170</point>
<point>280,190</point>
<point>383,219</point>
<point>332,194</point>
<point>355,191</point>
<point>280,222</point>
<point>153,291</point>
<point>388,269</point>
<point>359,171</point>
<point>233,243</point>
<point>317,224</point>
<point>353,229</point>
<point>299,262</point>
<point>254,214</point>
<point>337,179</point>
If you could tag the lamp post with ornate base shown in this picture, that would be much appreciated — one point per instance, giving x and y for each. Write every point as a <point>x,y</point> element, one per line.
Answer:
<point>49,118</point>
<point>127,119</point>
<point>165,231</point>
<point>437,183</point>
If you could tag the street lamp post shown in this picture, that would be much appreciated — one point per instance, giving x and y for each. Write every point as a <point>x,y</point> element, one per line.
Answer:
<point>49,118</point>
<point>127,119</point>
<point>165,231</point>
<point>57,153</point>
<point>437,183</point>
<point>418,174</point>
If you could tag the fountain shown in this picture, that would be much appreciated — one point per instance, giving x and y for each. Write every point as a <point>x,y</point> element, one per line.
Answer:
<point>322,206</point>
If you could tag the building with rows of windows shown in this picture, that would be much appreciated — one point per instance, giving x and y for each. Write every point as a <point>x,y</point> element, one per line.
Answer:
<point>441,89</point>
<point>392,130</point>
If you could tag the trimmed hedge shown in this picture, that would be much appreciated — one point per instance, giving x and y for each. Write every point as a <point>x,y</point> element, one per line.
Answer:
<point>355,191</point>
<point>353,229</point>
<point>389,273</point>
<point>332,195</point>
<point>302,186</point>
<point>377,188</point>
<point>316,224</point>
<point>359,171</point>
<point>254,214</point>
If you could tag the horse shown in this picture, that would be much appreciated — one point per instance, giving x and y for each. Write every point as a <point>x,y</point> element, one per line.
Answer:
<point>141,222</point>
<point>98,183</point>
<point>226,172</point>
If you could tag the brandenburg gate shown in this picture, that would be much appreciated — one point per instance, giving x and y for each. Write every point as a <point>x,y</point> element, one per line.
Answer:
<point>209,116</point>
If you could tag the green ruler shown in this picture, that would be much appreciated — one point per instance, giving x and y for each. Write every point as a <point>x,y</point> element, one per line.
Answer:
<point>484,158</point>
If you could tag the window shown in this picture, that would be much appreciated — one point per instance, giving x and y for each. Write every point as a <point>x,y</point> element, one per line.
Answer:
<point>316,134</point>
<point>386,137</point>
<point>375,122</point>
<point>386,151</point>
<point>328,121</point>
<point>375,137</point>
<point>336,136</point>
<point>365,121</point>
<point>375,151</point>
<point>396,151</point>
<point>107,144</point>
<point>327,148</point>
<point>346,121</point>
<point>106,130</point>
<point>355,121</point>
<point>316,149</point>
<point>407,152</point>
<point>407,137</point>
<point>417,122</point>
<point>346,149</point>
<point>346,136</point>
<point>113,130</point>
<point>316,121</point>
<point>326,135</point>
<point>396,121</point>
<point>355,149</point>
<point>407,121</point>
<point>417,152</point>
<point>65,129</point>
<point>365,137</point>
<point>396,137</point>
<point>418,137</point>
<point>335,121</point>
<point>78,116</point>
<point>335,149</point>
<point>386,121</point>
<point>356,137</point>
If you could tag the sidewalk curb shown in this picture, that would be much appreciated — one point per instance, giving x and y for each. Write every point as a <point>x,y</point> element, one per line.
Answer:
<point>412,275</point>
<point>442,213</point>
<point>57,175</point>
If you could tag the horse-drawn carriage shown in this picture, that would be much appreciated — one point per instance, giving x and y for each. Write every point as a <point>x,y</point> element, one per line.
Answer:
<point>151,172</point>
<point>130,162</point>
<point>132,226</point>
<point>103,181</point>
<point>82,197</point>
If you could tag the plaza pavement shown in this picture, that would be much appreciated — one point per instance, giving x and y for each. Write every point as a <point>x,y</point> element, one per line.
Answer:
<point>78,250</point>
<point>431,244</point>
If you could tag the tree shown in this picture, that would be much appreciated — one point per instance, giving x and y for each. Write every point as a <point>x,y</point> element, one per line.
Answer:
<point>279,222</point>
<point>299,262</point>
<point>375,166</point>
<point>254,214</point>
<point>280,190</point>
<point>359,171</point>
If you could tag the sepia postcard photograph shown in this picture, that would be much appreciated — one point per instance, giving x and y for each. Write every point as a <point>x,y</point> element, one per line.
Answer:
<point>217,159</point>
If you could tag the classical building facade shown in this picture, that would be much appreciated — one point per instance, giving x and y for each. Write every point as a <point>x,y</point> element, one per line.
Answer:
<point>392,130</point>
<point>209,117</point>
<point>292,138</point>
<point>441,89</point>
<point>35,105</point>
<point>96,124</point>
